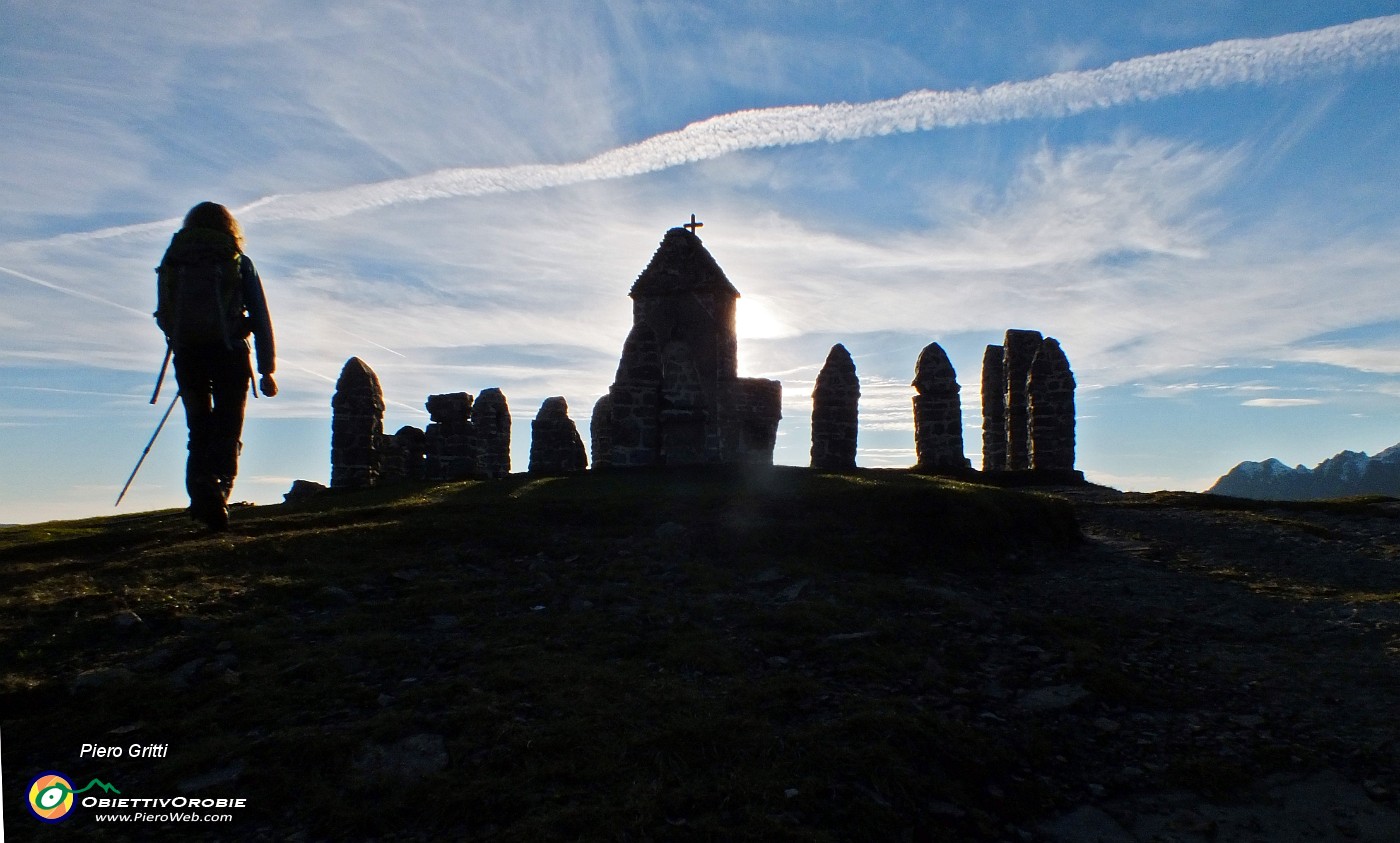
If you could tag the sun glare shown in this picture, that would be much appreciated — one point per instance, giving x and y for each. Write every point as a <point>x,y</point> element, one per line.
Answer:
<point>756,319</point>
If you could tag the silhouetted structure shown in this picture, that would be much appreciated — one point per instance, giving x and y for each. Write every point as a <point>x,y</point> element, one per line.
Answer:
<point>357,422</point>
<point>994,409</point>
<point>452,449</point>
<point>1020,349</point>
<point>465,439</point>
<point>938,435</point>
<point>1032,377</point>
<point>677,398</point>
<point>555,446</point>
<point>1050,394</point>
<point>835,412</point>
<point>491,418</point>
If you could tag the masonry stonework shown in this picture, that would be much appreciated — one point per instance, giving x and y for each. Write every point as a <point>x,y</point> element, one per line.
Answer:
<point>452,448</point>
<point>836,412</point>
<point>1021,347</point>
<point>1050,395</point>
<point>1031,376</point>
<point>938,433</point>
<point>357,421</point>
<point>491,419</point>
<point>677,398</point>
<point>994,409</point>
<point>555,446</point>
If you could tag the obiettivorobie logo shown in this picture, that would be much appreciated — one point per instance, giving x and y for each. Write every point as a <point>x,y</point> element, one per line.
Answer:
<point>51,795</point>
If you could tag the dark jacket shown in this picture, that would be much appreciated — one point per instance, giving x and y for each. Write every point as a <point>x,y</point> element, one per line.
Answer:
<point>258,321</point>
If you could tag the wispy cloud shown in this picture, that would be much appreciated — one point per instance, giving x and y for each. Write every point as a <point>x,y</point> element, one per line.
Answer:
<point>23,276</point>
<point>1222,64</point>
<point>1281,402</point>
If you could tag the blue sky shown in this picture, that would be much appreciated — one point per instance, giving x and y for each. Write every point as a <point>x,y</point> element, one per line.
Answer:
<point>1198,199</point>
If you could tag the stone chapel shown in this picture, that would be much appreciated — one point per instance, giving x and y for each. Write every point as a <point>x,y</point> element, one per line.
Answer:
<point>677,398</point>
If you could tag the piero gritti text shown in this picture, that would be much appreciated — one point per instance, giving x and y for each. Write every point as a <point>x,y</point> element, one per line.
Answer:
<point>136,750</point>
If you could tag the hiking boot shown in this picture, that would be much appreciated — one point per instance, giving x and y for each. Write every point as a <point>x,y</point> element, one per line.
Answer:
<point>207,506</point>
<point>218,520</point>
<point>211,514</point>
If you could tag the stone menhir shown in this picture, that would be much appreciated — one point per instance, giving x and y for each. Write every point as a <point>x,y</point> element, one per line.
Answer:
<point>555,446</point>
<point>452,449</point>
<point>491,418</point>
<point>938,434</point>
<point>677,398</point>
<point>600,432</point>
<point>1020,350</point>
<point>1050,393</point>
<point>357,422</point>
<point>835,412</point>
<point>994,409</point>
<point>1028,408</point>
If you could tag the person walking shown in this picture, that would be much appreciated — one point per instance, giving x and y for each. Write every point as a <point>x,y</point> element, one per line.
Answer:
<point>209,301</point>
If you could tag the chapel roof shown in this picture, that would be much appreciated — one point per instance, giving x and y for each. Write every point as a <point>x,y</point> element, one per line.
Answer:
<point>681,264</point>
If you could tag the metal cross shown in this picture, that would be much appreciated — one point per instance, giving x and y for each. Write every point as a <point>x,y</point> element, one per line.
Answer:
<point>692,225</point>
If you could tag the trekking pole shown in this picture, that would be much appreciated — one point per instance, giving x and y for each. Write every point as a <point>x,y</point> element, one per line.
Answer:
<point>163,420</point>
<point>160,379</point>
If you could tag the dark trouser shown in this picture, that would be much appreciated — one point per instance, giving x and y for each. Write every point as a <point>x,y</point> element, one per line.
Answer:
<point>214,388</point>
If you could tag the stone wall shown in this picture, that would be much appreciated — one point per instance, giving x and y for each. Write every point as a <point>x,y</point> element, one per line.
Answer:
<point>401,456</point>
<point>835,412</point>
<point>751,432</point>
<point>632,425</point>
<point>466,438</point>
<point>452,450</point>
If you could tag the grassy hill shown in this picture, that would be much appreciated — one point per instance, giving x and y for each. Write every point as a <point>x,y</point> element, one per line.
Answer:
<point>762,655</point>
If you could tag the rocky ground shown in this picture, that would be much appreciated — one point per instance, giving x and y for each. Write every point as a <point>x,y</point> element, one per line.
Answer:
<point>1250,694</point>
<point>810,658</point>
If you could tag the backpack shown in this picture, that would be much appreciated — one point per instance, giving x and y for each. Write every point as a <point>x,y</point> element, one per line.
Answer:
<point>200,290</point>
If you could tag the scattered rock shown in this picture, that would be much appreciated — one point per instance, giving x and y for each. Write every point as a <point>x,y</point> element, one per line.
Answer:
<point>304,490</point>
<point>328,596</point>
<point>98,678</point>
<point>851,636</point>
<point>1052,698</point>
<point>222,776</point>
<point>185,674</point>
<point>1086,824</point>
<point>154,660</point>
<point>670,533</point>
<point>404,761</point>
<point>793,591</point>
<point>129,621</point>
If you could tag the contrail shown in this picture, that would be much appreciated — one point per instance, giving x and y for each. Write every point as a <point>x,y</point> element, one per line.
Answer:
<point>1262,61</point>
<point>70,291</point>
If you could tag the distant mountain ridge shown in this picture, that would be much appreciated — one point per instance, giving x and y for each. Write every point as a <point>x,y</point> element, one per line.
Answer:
<point>1347,473</point>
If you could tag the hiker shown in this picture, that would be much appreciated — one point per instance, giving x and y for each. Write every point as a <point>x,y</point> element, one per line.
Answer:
<point>209,300</point>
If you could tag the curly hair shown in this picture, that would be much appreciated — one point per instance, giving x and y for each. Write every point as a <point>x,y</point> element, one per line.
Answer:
<point>217,217</point>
